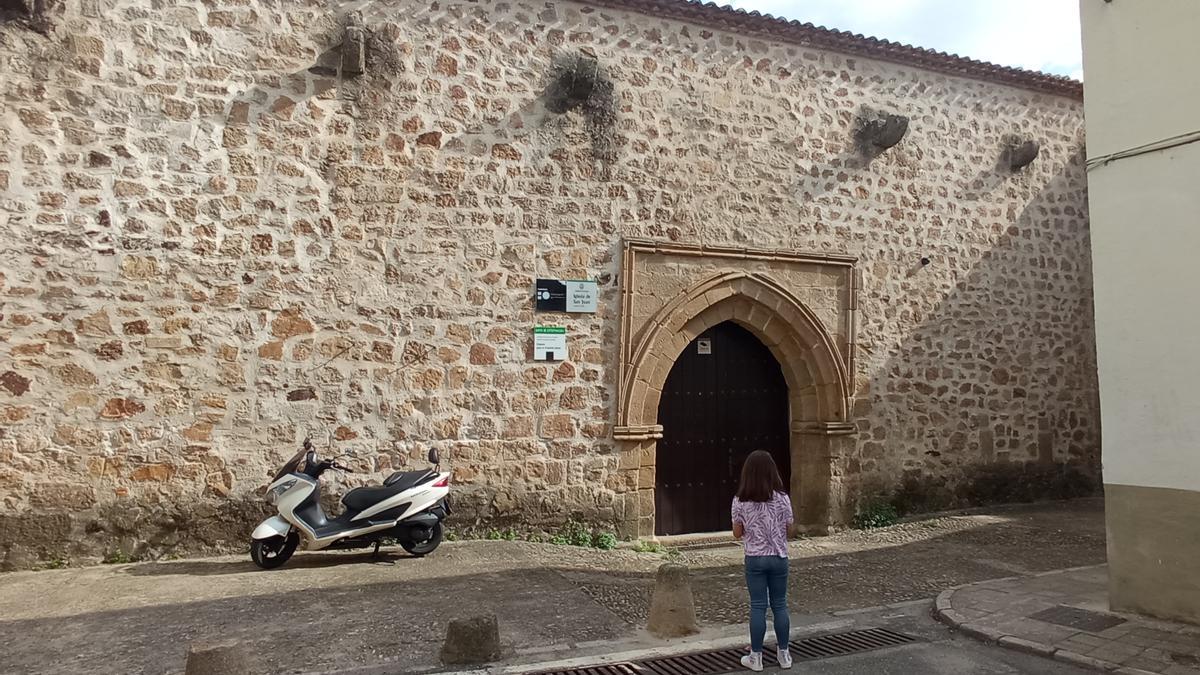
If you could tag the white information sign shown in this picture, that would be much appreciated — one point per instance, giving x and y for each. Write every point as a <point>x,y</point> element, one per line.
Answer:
<point>704,346</point>
<point>581,297</point>
<point>549,343</point>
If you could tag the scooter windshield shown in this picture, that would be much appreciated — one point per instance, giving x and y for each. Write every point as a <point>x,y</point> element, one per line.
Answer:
<point>291,466</point>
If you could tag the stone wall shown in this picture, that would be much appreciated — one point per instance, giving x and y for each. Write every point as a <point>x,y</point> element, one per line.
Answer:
<point>219,237</point>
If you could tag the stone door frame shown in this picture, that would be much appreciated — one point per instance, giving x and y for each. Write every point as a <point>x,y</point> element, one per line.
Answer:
<point>818,370</point>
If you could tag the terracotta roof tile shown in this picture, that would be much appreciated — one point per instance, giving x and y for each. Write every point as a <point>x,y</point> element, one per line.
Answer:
<point>767,26</point>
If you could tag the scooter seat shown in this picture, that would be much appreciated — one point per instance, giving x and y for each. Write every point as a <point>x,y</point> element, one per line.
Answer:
<point>407,478</point>
<point>360,499</point>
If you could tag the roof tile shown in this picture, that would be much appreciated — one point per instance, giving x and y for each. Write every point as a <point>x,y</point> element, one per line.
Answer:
<point>741,21</point>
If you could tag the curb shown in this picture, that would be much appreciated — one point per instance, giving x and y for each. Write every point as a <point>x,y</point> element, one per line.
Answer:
<point>943,611</point>
<point>1027,646</point>
<point>723,638</point>
<point>559,656</point>
<point>1084,661</point>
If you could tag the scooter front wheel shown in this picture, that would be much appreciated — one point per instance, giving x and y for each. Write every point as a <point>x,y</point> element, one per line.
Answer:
<point>423,548</point>
<point>272,552</point>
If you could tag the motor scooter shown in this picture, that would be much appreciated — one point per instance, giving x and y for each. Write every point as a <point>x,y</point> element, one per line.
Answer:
<point>409,507</point>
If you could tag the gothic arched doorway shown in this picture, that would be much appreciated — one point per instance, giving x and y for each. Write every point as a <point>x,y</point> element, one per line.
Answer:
<point>724,398</point>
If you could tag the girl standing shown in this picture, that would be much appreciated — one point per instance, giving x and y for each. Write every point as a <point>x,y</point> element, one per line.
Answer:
<point>762,516</point>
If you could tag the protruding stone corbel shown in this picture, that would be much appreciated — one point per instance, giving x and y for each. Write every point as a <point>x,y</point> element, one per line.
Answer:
<point>877,134</point>
<point>36,14</point>
<point>354,47</point>
<point>573,82</point>
<point>1019,153</point>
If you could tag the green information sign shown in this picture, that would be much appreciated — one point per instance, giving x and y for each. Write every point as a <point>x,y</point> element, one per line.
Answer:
<point>549,343</point>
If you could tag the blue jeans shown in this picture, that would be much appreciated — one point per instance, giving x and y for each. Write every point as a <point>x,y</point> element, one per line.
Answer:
<point>766,577</point>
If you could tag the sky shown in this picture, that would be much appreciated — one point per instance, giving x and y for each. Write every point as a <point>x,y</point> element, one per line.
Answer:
<point>1032,34</point>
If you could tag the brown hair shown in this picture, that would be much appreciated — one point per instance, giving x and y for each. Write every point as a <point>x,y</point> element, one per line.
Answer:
<point>760,478</point>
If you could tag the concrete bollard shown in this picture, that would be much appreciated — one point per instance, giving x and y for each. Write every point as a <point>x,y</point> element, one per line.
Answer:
<point>672,610</point>
<point>472,641</point>
<point>219,658</point>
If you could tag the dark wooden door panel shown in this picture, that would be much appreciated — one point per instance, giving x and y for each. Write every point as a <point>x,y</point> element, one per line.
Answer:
<point>716,409</point>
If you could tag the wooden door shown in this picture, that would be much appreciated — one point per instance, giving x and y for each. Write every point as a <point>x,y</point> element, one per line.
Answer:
<point>724,398</point>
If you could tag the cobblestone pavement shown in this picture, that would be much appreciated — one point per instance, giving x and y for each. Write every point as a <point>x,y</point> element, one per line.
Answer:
<point>331,610</point>
<point>905,562</point>
<point>1064,615</point>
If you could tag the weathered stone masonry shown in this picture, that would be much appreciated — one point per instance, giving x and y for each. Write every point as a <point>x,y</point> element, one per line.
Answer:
<point>219,236</point>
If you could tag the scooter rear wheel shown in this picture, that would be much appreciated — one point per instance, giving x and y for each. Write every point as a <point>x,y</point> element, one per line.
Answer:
<point>274,551</point>
<point>424,548</point>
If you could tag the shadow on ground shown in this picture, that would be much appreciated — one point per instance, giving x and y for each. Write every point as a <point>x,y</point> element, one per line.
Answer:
<point>194,568</point>
<point>568,600</point>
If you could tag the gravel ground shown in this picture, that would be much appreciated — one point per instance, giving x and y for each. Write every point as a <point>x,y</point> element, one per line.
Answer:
<point>327,610</point>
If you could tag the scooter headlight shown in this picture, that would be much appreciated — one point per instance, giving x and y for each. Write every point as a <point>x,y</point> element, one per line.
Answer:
<point>276,492</point>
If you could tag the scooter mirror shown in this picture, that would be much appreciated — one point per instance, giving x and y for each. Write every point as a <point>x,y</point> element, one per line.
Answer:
<point>433,456</point>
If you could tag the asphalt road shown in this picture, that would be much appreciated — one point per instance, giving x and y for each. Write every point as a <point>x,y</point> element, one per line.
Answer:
<point>941,652</point>
<point>938,658</point>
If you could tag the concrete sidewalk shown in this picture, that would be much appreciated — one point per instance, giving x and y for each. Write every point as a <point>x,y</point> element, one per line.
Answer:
<point>1064,615</point>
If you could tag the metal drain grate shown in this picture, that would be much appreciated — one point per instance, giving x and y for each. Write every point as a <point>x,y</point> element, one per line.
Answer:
<point>729,660</point>
<point>853,642</point>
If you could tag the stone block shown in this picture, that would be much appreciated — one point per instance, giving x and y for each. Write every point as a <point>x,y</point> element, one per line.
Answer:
<point>646,524</point>
<point>629,459</point>
<point>672,608</point>
<point>646,476</point>
<point>558,426</point>
<point>290,323</point>
<point>121,408</point>
<point>163,342</point>
<point>645,502</point>
<point>482,354</point>
<point>17,557</point>
<point>627,529</point>
<point>15,383</point>
<point>95,325</point>
<point>647,453</point>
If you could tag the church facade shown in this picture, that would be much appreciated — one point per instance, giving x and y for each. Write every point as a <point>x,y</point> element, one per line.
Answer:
<point>231,225</point>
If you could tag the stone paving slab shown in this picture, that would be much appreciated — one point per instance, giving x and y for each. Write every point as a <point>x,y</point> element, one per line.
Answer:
<point>1001,611</point>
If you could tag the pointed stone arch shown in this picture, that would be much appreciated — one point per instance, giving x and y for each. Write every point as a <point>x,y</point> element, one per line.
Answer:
<point>817,371</point>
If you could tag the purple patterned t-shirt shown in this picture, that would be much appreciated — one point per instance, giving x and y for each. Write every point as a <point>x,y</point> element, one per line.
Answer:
<point>766,524</point>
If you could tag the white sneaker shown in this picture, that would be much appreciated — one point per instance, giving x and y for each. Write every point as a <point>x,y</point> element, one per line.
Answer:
<point>785,658</point>
<point>753,661</point>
